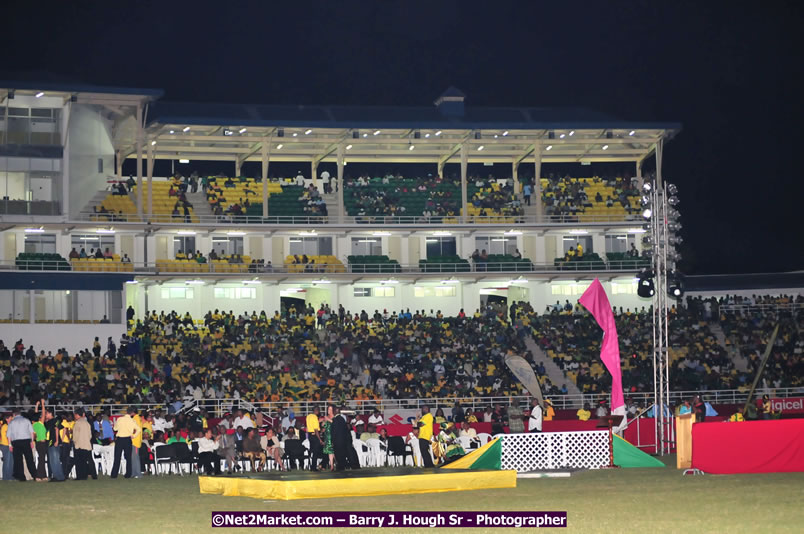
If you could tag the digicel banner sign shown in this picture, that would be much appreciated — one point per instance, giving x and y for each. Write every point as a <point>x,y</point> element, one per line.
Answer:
<point>788,405</point>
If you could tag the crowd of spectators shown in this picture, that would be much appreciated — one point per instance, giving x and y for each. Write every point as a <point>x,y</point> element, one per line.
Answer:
<point>565,196</point>
<point>334,354</point>
<point>493,197</point>
<point>376,201</point>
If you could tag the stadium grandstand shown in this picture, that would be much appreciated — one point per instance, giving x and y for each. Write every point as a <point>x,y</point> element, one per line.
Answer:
<point>406,255</point>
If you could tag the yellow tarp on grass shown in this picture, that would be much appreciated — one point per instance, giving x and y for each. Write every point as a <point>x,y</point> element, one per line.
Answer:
<point>438,481</point>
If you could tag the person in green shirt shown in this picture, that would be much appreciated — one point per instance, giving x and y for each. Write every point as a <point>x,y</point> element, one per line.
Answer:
<point>40,433</point>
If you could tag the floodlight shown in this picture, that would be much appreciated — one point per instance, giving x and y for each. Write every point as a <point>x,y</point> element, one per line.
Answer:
<point>647,186</point>
<point>675,284</point>
<point>647,213</point>
<point>645,286</point>
<point>672,189</point>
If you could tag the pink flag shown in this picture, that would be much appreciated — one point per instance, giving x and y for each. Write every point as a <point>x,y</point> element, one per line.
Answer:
<point>595,300</point>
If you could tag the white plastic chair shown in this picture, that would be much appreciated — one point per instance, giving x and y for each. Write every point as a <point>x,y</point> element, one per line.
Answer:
<point>362,451</point>
<point>377,452</point>
<point>484,438</point>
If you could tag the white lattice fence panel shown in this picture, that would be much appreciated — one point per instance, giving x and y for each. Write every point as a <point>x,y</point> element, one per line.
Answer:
<point>555,450</point>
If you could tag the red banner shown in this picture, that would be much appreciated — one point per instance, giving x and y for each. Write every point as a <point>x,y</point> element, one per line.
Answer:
<point>749,447</point>
<point>790,405</point>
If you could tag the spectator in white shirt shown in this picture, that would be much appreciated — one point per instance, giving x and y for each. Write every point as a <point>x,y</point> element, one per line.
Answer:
<point>535,419</point>
<point>242,420</point>
<point>375,418</point>
<point>207,458</point>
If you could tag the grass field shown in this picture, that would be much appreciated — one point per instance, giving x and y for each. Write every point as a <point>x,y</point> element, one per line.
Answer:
<point>623,500</point>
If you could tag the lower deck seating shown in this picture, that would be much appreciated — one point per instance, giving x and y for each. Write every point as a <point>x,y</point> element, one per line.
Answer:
<point>373,264</point>
<point>588,262</point>
<point>112,264</point>
<point>503,262</point>
<point>315,264</point>
<point>36,261</point>
<point>445,264</point>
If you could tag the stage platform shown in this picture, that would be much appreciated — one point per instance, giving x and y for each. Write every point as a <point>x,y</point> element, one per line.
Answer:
<point>358,483</point>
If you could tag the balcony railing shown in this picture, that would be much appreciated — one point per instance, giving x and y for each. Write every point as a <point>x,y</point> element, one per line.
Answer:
<point>218,407</point>
<point>223,267</point>
<point>29,207</point>
<point>376,220</point>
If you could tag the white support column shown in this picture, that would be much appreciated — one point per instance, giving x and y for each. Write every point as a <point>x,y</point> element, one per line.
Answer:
<point>441,169</point>
<point>119,161</point>
<point>314,172</point>
<point>237,167</point>
<point>150,178</point>
<point>640,180</point>
<point>341,206</point>
<point>515,176</point>
<point>536,196</point>
<point>464,202</point>
<point>140,136</point>
<point>659,153</point>
<point>265,162</point>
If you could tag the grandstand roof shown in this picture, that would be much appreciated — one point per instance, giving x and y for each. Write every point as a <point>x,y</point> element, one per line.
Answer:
<point>421,134</point>
<point>80,91</point>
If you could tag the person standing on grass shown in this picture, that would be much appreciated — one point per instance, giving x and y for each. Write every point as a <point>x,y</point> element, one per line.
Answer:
<point>8,461</point>
<point>82,441</point>
<point>21,439</point>
<point>53,425</point>
<point>126,429</point>
<point>40,435</point>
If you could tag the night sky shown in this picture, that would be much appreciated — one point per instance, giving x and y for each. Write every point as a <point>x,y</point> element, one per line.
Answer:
<point>728,71</point>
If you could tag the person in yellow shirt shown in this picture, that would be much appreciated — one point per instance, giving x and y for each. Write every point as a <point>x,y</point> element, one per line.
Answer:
<point>136,445</point>
<point>314,437</point>
<point>425,426</point>
<point>736,417</point>
<point>550,413</point>
<point>8,461</point>
<point>126,428</point>
<point>584,413</point>
<point>579,251</point>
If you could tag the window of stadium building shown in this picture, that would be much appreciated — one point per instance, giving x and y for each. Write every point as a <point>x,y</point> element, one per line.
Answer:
<point>366,246</point>
<point>568,290</point>
<point>434,291</point>
<point>40,243</point>
<point>92,241</point>
<point>31,185</point>
<point>168,293</point>
<point>620,243</point>
<point>496,245</point>
<point>441,246</point>
<point>185,243</point>
<point>227,246</point>
<point>72,306</point>
<point>235,293</point>
<point>34,126</point>
<point>382,291</point>
<point>15,306</point>
<point>312,246</point>
<point>624,288</point>
<point>573,240</point>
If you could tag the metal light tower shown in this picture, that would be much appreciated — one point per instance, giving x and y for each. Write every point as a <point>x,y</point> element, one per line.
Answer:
<point>658,202</point>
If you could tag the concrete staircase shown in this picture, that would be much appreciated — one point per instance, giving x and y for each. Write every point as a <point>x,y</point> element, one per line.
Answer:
<point>553,372</point>
<point>740,362</point>
<point>331,200</point>
<point>96,200</point>
<point>201,207</point>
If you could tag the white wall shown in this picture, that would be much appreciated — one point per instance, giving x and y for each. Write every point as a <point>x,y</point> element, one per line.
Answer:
<point>88,140</point>
<point>51,337</point>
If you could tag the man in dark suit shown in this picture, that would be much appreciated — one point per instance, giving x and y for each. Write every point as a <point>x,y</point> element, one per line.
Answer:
<point>342,440</point>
